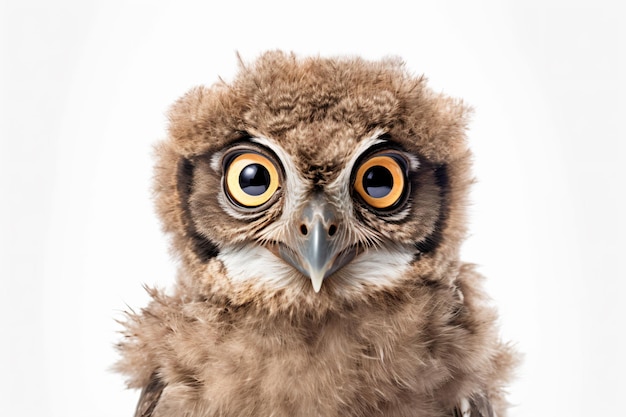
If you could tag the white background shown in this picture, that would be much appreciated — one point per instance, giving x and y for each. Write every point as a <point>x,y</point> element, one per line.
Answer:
<point>85,88</point>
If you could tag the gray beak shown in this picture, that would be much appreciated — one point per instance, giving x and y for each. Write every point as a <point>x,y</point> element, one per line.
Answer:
<point>316,252</point>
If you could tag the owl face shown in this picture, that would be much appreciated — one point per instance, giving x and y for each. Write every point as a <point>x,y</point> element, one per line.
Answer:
<point>280,223</point>
<point>294,178</point>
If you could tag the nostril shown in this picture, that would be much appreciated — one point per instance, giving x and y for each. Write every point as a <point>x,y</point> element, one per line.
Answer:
<point>303,229</point>
<point>332,230</point>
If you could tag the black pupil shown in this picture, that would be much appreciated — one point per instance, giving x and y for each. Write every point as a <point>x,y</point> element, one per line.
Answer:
<point>254,179</point>
<point>377,181</point>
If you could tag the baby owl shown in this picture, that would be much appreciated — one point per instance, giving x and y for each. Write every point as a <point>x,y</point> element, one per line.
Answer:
<point>316,207</point>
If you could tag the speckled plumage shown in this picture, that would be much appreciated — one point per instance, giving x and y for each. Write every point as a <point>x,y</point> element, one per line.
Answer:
<point>403,329</point>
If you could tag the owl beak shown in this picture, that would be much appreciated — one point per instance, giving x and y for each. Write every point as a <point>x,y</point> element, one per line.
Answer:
<point>317,253</point>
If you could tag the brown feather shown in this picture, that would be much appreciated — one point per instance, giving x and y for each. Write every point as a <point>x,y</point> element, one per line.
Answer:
<point>149,397</point>
<point>477,406</point>
<point>481,406</point>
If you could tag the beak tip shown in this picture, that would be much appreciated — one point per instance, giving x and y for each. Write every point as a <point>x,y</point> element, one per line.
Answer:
<point>317,283</point>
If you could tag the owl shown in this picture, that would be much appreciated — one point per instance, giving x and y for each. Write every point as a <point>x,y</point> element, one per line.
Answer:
<point>316,207</point>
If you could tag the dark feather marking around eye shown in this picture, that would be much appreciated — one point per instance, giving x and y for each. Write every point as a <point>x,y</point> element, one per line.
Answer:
<point>203,247</point>
<point>433,240</point>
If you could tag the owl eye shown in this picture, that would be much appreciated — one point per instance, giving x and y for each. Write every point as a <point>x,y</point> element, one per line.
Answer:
<point>380,181</point>
<point>251,179</point>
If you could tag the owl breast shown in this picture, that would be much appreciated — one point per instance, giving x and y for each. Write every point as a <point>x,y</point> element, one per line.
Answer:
<point>327,365</point>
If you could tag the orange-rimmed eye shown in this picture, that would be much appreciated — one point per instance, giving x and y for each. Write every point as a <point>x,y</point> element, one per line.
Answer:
<point>251,179</point>
<point>380,181</point>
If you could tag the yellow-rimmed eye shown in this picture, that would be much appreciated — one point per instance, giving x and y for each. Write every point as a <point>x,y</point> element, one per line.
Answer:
<point>251,179</point>
<point>380,181</point>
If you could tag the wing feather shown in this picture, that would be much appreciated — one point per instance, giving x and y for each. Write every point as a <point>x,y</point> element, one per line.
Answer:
<point>149,397</point>
<point>475,406</point>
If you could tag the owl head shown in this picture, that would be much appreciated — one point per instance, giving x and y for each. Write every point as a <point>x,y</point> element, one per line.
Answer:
<point>313,182</point>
